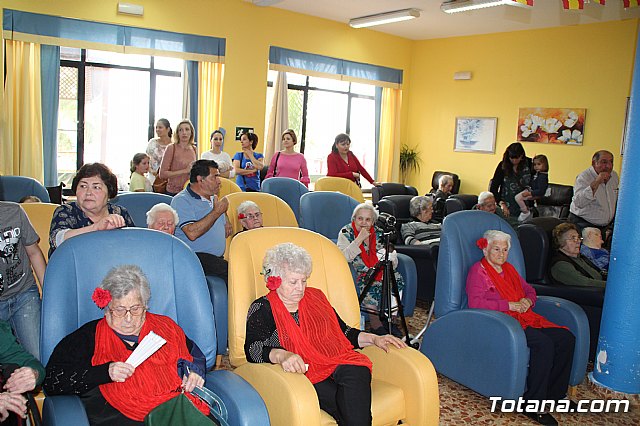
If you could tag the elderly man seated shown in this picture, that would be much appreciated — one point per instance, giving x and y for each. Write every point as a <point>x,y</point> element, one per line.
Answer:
<point>445,185</point>
<point>487,203</point>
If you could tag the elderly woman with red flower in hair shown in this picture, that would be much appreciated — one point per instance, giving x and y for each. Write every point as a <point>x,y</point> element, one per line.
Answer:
<point>296,327</point>
<point>92,362</point>
<point>493,283</point>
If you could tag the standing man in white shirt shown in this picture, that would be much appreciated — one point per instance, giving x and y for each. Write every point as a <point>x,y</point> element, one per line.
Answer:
<point>595,194</point>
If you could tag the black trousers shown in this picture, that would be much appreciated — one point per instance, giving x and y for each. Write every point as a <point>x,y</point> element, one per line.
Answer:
<point>550,361</point>
<point>214,265</point>
<point>346,395</point>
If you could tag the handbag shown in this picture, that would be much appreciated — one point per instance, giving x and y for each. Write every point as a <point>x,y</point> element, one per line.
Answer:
<point>160,185</point>
<point>181,411</point>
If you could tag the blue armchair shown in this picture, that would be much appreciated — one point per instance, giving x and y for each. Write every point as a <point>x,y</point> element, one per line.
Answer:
<point>13,188</point>
<point>178,290</point>
<point>482,349</point>
<point>139,203</point>
<point>327,212</point>
<point>287,189</point>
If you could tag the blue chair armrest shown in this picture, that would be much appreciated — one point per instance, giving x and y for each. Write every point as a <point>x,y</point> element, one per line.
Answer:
<point>220,302</point>
<point>64,410</point>
<point>566,313</point>
<point>244,405</point>
<point>482,349</point>
<point>407,268</point>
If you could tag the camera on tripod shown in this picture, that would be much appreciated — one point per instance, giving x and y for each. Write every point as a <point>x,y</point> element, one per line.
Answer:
<point>386,222</point>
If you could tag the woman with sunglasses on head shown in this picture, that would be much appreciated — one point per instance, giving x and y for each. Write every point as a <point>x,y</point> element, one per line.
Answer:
<point>512,176</point>
<point>342,163</point>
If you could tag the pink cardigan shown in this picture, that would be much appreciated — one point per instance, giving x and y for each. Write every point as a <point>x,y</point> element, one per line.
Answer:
<point>483,294</point>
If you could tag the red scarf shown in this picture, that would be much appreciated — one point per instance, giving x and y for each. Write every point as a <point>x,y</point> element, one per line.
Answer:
<point>370,258</point>
<point>318,339</point>
<point>155,380</point>
<point>511,290</point>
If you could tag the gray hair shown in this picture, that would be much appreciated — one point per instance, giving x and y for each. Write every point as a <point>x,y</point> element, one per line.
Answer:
<point>123,279</point>
<point>484,196</point>
<point>493,235</point>
<point>589,231</point>
<point>365,206</point>
<point>152,214</point>
<point>598,154</point>
<point>418,204</point>
<point>247,205</point>
<point>286,257</point>
<point>444,179</point>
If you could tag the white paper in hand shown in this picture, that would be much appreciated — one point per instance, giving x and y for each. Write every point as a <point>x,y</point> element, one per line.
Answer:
<point>149,345</point>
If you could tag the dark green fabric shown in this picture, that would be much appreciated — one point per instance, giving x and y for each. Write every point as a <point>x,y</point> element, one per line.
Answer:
<point>177,411</point>
<point>12,353</point>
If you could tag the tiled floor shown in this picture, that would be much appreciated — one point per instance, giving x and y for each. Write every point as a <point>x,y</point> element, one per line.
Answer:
<point>462,406</point>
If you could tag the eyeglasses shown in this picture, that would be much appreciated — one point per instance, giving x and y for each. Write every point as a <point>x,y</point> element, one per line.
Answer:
<point>121,311</point>
<point>252,216</point>
<point>574,239</point>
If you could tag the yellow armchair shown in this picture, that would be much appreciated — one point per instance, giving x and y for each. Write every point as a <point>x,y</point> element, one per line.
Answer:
<point>40,215</point>
<point>404,383</point>
<point>345,186</point>
<point>275,212</point>
<point>227,186</point>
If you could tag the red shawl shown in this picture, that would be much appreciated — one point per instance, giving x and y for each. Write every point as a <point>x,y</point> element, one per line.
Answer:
<point>370,258</point>
<point>318,339</point>
<point>155,380</point>
<point>511,290</point>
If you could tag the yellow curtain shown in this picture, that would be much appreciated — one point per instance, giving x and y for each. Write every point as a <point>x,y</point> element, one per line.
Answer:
<point>389,146</point>
<point>210,78</point>
<point>21,144</point>
<point>279,117</point>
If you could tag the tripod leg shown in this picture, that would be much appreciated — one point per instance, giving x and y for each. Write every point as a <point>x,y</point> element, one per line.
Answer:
<point>396,294</point>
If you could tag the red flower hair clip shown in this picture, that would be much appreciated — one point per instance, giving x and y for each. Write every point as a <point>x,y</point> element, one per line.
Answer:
<point>241,216</point>
<point>101,297</point>
<point>273,282</point>
<point>482,243</point>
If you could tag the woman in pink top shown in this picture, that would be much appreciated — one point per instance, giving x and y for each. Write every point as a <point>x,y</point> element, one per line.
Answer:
<point>342,163</point>
<point>288,163</point>
<point>178,158</point>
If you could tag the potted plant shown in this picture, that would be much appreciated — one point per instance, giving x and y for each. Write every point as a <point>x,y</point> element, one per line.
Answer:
<point>409,162</point>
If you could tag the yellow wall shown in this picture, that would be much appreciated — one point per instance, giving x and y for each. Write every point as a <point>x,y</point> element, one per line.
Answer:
<point>249,31</point>
<point>587,66</point>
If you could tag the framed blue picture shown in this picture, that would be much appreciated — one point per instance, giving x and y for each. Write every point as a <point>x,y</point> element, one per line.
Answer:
<point>476,134</point>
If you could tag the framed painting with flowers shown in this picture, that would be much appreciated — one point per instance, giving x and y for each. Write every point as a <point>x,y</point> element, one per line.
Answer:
<point>475,134</point>
<point>551,125</point>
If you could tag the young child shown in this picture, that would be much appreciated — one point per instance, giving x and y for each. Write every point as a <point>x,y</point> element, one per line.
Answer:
<point>140,166</point>
<point>591,248</point>
<point>539,186</point>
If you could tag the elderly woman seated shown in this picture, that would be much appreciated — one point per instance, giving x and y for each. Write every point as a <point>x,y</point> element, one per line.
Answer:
<point>92,361</point>
<point>162,217</point>
<point>94,185</point>
<point>249,215</point>
<point>27,374</point>
<point>568,266</point>
<point>362,244</point>
<point>296,327</point>
<point>493,283</point>
<point>445,185</point>
<point>422,230</point>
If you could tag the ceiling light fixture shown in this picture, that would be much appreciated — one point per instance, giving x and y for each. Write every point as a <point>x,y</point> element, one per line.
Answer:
<point>455,6</point>
<point>384,18</point>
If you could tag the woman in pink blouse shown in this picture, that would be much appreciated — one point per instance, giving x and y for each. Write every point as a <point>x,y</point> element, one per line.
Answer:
<point>178,158</point>
<point>342,163</point>
<point>493,283</point>
<point>288,163</point>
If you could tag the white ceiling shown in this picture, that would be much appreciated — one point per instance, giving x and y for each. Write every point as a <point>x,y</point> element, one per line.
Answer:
<point>436,24</point>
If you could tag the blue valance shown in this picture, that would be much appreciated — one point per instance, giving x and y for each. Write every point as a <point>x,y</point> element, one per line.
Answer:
<point>58,31</point>
<point>291,60</point>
